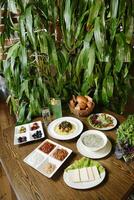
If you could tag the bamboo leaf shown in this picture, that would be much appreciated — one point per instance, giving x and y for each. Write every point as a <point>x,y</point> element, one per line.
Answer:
<point>102,14</point>
<point>112,29</point>
<point>13,51</point>
<point>82,6</point>
<point>96,92</point>
<point>114,8</point>
<point>17,78</point>
<point>52,52</point>
<point>62,22</point>
<point>12,55</point>
<point>104,92</point>
<point>110,86</point>
<point>14,104</point>
<point>44,9</point>
<point>12,6</point>
<point>23,56</point>
<point>120,50</point>
<point>82,60</point>
<point>22,29</point>
<point>80,24</point>
<point>87,85</point>
<point>43,89</point>
<point>62,62</point>
<point>12,62</point>
<point>127,54</point>
<point>94,10</point>
<point>83,57</point>
<point>29,21</point>
<point>129,29</point>
<point>53,11</point>
<point>91,61</point>
<point>29,25</point>
<point>122,7</point>
<point>79,64</point>
<point>67,15</point>
<point>29,116</point>
<point>25,88</point>
<point>107,68</point>
<point>33,106</point>
<point>43,42</point>
<point>21,113</point>
<point>68,20</point>
<point>88,38</point>
<point>99,37</point>
<point>125,71</point>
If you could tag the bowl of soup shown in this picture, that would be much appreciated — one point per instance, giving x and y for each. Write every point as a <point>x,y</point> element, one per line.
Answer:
<point>93,140</point>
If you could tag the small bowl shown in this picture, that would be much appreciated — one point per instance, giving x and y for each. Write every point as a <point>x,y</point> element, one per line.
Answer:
<point>93,140</point>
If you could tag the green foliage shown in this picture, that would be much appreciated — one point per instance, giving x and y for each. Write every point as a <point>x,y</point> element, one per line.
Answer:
<point>126,130</point>
<point>68,47</point>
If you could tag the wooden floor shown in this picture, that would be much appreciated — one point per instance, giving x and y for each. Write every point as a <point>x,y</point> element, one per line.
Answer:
<point>6,192</point>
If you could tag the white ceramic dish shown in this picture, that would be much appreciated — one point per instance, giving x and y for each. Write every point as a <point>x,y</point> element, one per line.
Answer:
<point>94,155</point>
<point>38,158</point>
<point>28,133</point>
<point>76,123</point>
<point>88,140</point>
<point>104,128</point>
<point>83,185</point>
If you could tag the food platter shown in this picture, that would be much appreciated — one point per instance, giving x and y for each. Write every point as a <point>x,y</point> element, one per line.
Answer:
<point>28,132</point>
<point>77,128</point>
<point>94,154</point>
<point>85,184</point>
<point>48,157</point>
<point>102,121</point>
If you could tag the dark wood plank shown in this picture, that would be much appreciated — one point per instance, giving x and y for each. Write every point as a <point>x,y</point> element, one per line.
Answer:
<point>5,191</point>
<point>6,119</point>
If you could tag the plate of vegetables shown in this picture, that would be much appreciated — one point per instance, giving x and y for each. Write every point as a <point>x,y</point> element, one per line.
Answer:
<point>102,121</point>
<point>84,173</point>
<point>125,140</point>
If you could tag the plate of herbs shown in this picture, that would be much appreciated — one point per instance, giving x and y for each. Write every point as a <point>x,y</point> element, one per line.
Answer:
<point>102,121</point>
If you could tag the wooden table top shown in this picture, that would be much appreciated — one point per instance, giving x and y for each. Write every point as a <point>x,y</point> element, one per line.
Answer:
<point>29,184</point>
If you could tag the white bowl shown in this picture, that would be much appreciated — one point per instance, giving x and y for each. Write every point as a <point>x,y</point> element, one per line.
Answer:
<point>93,140</point>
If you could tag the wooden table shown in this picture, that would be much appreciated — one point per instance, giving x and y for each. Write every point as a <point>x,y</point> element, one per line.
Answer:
<point>29,184</point>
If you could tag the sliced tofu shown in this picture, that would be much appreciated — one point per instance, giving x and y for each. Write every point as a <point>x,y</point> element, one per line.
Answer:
<point>74,175</point>
<point>83,175</point>
<point>90,174</point>
<point>95,172</point>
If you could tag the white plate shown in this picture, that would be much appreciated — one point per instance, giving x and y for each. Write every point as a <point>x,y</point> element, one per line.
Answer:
<point>83,185</point>
<point>28,132</point>
<point>96,154</point>
<point>105,128</point>
<point>38,158</point>
<point>76,122</point>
